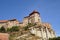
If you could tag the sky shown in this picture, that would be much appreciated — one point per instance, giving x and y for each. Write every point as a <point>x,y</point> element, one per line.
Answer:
<point>49,11</point>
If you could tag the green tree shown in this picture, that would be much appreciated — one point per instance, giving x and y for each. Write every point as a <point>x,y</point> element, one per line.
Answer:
<point>14,29</point>
<point>2,29</point>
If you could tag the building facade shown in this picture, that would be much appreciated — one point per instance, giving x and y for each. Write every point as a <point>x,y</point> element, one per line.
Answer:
<point>9,23</point>
<point>34,17</point>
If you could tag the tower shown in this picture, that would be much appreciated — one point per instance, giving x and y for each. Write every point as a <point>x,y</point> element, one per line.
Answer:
<point>25,21</point>
<point>34,17</point>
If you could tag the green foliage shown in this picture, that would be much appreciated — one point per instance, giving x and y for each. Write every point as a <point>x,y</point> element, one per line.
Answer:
<point>8,29</point>
<point>2,29</point>
<point>57,38</point>
<point>11,37</point>
<point>13,29</point>
<point>26,28</point>
<point>29,25</point>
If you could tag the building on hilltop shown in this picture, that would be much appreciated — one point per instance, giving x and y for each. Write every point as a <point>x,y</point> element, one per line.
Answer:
<point>42,30</point>
<point>9,23</point>
<point>34,17</point>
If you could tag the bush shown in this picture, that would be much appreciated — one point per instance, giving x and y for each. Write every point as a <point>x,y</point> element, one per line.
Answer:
<point>57,38</point>
<point>13,29</point>
<point>29,25</point>
<point>26,28</point>
<point>2,29</point>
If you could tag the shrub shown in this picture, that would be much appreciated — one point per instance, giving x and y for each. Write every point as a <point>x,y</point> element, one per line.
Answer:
<point>2,29</point>
<point>56,38</point>
<point>13,29</point>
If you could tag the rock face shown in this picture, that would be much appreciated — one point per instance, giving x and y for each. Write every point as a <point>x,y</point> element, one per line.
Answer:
<point>40,31</point>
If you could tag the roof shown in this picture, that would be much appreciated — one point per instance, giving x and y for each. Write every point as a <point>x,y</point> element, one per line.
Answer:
<point>34,12</point>
<point>3,21</point>
<point>47,25</point>
<point>26,17</point>
<point>12,20</point>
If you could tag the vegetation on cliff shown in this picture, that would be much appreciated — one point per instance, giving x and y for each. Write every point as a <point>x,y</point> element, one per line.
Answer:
<point>2,29</point>
<point>56,38</point>
<point>6,30</point>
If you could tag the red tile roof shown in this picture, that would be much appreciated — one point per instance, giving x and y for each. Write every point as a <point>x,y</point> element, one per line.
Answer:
<point>3,21</point>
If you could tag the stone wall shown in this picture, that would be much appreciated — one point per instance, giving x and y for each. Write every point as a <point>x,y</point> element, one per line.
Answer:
<point>4,36</point>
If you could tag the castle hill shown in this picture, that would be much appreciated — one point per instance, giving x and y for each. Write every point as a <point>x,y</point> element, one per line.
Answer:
<point>32,28</point>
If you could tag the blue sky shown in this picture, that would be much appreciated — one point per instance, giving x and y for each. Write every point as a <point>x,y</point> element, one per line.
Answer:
<point>49,10</point>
